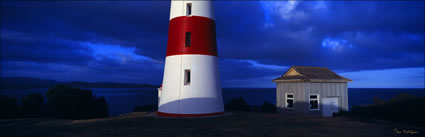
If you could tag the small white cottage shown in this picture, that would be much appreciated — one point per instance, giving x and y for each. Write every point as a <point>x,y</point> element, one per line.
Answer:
<point>311,91</point>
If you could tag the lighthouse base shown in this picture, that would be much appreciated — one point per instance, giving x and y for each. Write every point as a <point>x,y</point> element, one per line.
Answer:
<point>174,115</point>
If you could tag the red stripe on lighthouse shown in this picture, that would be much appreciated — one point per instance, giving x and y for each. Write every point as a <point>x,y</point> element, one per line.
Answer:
<point>202,33</point>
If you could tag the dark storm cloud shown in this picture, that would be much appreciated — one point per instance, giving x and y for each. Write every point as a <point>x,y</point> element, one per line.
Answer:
<point>45,39</point>
<point>377,35</point>
<point>257,40</point>
<point>21,47</point>
<point>139,24</point>
<point>247,69</point>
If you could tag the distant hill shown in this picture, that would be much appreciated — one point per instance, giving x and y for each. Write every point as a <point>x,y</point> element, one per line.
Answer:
<point>109,85</point>
<point>28,82</point>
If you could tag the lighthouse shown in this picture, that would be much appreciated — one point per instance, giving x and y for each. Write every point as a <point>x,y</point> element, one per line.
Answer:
<point>191,84</point>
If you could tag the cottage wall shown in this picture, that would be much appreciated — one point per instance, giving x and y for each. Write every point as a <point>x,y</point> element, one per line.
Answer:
<point>299,97</point>
<point>326,90</point>
<point>302,90</point>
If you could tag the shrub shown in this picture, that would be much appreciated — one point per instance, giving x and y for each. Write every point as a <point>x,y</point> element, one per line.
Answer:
<point>146,108</point>
<point>74,103</point>
<point>342,113</point>
<point>402,108</point>
<point>402,97</point>
<point>102,109</point>
<point>378,101</point>
<point>268,107</point>
<point>237,105</point>
<point>8,107</point>
<point>31,105</point>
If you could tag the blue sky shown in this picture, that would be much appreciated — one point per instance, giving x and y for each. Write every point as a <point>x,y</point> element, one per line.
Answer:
<point>377,44</point>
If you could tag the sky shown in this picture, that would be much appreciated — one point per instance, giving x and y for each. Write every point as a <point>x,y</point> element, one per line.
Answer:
<point>377,44</point>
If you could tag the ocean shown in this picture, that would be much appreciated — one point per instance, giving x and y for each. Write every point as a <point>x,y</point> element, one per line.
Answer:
<point>124,100</point>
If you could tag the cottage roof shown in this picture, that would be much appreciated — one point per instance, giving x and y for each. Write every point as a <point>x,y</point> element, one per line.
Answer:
<point>310,74</point>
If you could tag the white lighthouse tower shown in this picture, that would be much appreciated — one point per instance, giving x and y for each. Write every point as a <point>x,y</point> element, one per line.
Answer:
<point>191,85</point>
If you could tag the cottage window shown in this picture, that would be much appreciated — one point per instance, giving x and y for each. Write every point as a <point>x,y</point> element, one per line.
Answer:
<point>289,101</point>
<point>188,39</point>
<point>314,102</point>
<point>188,9</point>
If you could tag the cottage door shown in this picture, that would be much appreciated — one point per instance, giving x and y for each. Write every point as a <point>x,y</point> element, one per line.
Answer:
<point>330,106</point>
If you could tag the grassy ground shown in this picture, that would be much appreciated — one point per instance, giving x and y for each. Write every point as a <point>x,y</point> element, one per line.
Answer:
<point>232,125</point>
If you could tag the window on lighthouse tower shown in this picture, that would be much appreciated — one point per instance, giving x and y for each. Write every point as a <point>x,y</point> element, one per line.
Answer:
<point>188,39</point>
<point>187,77</point>
<point>188,9</point>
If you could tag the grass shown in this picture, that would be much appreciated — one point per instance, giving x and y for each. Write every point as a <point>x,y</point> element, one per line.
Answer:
<point>237,124</point>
